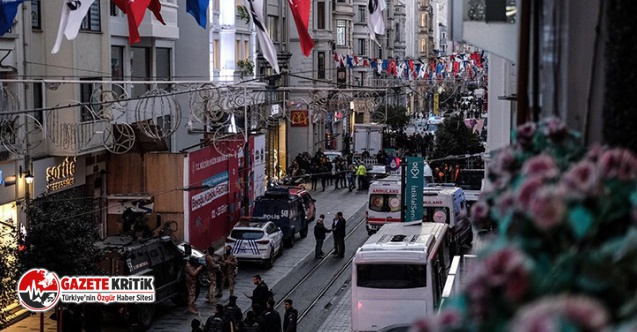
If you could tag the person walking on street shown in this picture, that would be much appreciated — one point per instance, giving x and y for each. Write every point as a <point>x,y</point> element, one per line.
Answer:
<point>271,318</point>
<point>192,270</point>
<point>319,235</point>
<point>217,322</point>
<point>233,314</point>
<point>261,292</point>
<point>338,230</point>
<point>291,317</point>
<point>212,268</point>
<point>228,265</point>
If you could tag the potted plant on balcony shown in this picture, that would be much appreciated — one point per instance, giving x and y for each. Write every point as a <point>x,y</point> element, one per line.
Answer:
<point>246,67</point>
<point>565,257</point>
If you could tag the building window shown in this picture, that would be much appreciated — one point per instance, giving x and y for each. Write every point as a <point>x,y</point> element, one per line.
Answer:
<point>237,50</point>
<point>320,15</point>
<point>216,55</point>
<point>35,15</point>
<point>117,68</point>
<point>341,1</point>
<point>91,21</point>
<point>341,32</point>
<point>423,45</point>
<point>361,46</point>
<point>163,67</point>
<point>140,69</point>
<point>273,28</point>
<point>246,49</point>
<point>38,101</point>
<point>397,32</point>
<point>321,65</point>
<point>115,10</point>
<point>380,52</point>
<point>89,111</point>
<point>362,14</point>
<point>444,35</point>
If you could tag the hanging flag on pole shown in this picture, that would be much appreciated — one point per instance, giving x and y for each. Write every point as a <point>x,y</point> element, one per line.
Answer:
<point>376,20</point>
<point>198,9</point>
<point>8,10</point>
<point>73,13</point>
<point>301,13</point>
<point>255,8</point>
<point>135,11</point>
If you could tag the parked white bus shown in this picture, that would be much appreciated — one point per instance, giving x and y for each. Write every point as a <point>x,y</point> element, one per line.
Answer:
<point>398,275</point>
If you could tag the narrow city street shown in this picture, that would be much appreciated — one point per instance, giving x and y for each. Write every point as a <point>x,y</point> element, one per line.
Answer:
<point>288,269</point>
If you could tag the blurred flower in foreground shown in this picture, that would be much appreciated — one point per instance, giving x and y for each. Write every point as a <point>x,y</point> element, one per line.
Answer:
<point>565,256</point>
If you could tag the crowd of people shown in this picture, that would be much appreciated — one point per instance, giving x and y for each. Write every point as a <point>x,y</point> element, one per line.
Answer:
<point>342,171</point>
<point>262,316</point>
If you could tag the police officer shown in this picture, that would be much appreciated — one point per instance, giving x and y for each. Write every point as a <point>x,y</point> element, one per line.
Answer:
<point>192,270</point>
<point>228,265</point>
<point>212,268</point>
<point>217,322</point>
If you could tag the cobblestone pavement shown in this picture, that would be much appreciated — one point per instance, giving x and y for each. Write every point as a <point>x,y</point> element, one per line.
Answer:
<point>172,318</point>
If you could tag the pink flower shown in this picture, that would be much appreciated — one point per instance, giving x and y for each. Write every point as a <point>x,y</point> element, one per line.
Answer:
<point>505,203</point>
<point>547,314</point>
<point>527,191</point>
<point>581,180</point>
<point>479,211</point>
<point>555,128</point>
<point>618,163</point>
<point>595,152</point>
<point>503,162</point>
<point>542,165</point>
<point>526,132</point>
<point>547,209</point>
<point>506,268</point>
<point>446,319</point>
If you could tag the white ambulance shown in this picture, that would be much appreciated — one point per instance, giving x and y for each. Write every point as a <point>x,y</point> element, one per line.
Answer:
<point>383,204</point>
<point>446,203</point>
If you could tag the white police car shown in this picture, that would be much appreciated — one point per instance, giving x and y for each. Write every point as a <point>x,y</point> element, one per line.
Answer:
<point>256,240</point>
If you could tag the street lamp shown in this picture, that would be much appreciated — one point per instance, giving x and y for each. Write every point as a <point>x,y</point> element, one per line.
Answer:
<point>28,177</point>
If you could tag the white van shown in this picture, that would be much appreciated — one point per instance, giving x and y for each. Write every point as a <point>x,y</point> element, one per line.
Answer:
<point>383,203</point>
<point>398,275</point>
<point>445,203</point>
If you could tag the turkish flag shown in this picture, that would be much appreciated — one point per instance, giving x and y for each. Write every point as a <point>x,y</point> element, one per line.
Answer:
<point>135,11</point>
<point>301,13</point>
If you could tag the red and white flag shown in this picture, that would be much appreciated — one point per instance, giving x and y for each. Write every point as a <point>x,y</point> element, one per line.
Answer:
<point>376,19</point>
<point>301,13</point>
<point>73,13</point>
<point>135,11</point>
<point>255,8</point>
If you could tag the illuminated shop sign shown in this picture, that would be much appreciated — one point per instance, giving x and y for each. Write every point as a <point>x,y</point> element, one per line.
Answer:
<point>61,175</point>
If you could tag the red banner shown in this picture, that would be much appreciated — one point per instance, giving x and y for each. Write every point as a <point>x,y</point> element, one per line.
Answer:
<point>209,217</point>
<point>299,118</point>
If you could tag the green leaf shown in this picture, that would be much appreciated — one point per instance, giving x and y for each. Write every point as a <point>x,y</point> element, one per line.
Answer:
<point>581,221</point>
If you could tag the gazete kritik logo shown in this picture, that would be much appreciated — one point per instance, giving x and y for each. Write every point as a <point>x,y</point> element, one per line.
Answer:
<point>39,290</point>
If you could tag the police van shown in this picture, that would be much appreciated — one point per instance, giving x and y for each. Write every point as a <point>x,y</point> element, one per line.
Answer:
<point>285,210</point>
<point>446,203</point>
<point>383,203</point>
